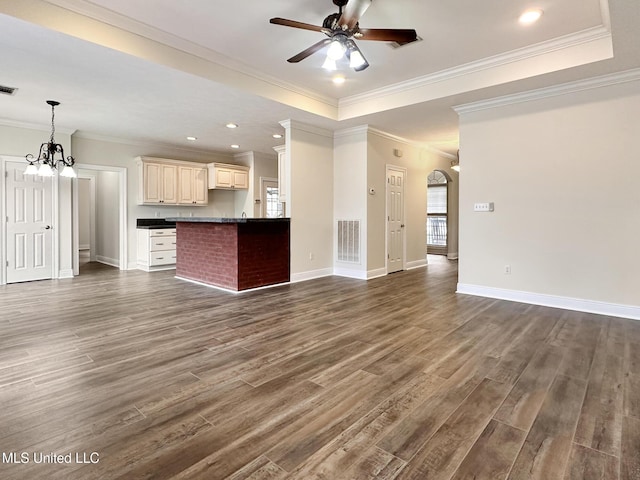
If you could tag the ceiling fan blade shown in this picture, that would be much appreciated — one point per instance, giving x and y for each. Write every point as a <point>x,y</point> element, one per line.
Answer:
<point>401,36</point>
<point>295,24</point>
<point>352,13</point>
<point>309,51</point>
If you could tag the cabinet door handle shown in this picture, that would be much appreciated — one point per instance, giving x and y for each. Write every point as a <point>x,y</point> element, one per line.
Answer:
<point>159,243</point>
<point>160,258</point>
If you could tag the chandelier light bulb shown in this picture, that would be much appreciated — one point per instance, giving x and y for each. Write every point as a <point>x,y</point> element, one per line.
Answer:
<point>68,172</point>
<point>31,169</point>
<point>45,170</point>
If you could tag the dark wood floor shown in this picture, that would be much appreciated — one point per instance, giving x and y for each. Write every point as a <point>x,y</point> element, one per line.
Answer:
<point>335,378</point>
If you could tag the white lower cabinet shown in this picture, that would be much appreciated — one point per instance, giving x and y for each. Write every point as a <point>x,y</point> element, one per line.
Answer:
<point>156,249</point>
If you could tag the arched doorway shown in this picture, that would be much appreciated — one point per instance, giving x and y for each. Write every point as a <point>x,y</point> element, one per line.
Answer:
<point>437,212</point>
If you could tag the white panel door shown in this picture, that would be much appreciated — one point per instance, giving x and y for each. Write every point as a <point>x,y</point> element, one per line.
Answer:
<point>29,219</point>
<point>395,220</point>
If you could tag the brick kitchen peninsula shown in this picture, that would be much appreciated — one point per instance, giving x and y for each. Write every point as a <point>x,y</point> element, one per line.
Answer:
<point>232,253</point>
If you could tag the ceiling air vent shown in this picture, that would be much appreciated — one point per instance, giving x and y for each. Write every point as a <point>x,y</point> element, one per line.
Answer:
<point>7,90</point>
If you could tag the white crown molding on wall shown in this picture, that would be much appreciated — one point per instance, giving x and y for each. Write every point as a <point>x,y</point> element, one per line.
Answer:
<point>349,132</point>
<point>4,122</point>
<point>554,91</point>
<point>571,50</point>
<point>396,138</point>
<point>568,303</point>
<point>147,145</point>
<point>305,127</point>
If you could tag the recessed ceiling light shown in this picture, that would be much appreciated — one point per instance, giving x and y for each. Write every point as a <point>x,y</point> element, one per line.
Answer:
<point>192,139</point>
<point>530,16</point>
<point>232,125</point>
<point>339,79</point>
<point>276,135</point>
<point>235,146</point>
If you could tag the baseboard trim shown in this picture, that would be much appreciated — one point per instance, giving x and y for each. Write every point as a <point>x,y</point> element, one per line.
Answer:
<point>114,262</point>
<point>416,264</point>
<point>351,273</point>
<point>452,256</point>
<point>378,272</point>
<point>311,274</point>
<point>229,290</point>
<point>567,303</point>
<point>66,273</point>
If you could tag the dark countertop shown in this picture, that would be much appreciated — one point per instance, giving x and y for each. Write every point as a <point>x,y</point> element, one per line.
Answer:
<point>225,220</point>
<point>154,223</point>
<point>155,227</point>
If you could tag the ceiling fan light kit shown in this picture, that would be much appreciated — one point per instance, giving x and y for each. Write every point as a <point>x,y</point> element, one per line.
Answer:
<point>341,29</point>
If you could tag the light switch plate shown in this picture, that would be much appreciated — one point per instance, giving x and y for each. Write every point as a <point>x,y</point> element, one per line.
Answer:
<point>483,207</point>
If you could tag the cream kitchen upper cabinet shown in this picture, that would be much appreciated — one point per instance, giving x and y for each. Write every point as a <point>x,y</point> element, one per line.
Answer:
<point>171,182</point>
<point>159,183</point>
<point>230,177</point>
<point>192,188</point>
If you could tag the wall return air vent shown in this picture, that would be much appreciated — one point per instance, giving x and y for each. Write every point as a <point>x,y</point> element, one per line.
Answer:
<point>7,90</point>
<point>349,241</point>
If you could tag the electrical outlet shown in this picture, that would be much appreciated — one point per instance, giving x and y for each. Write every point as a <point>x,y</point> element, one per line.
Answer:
<point>310,255</point>
<point>483,207</point>
<point>507,269</point>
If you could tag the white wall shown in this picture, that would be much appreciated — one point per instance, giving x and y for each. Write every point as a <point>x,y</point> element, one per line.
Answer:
<point>350,192</point>
<point>310,207</point>
<point>563,173</point>
<point>107,218</point>
<point>84,213</point>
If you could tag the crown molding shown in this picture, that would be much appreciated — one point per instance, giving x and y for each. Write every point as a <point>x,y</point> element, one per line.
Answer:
<point>347,132</point>
<point>147,144</point>
<point>406,141</point>
<point>532,51</point>
<point>305,127</point>
<point>5,122</point>
<point>553,91</point>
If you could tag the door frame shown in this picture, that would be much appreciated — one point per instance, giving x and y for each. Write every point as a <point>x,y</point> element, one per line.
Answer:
<point>263,196</point>
<point>122,212</point>
<point>92,211</point>
<point>404,215</point>
<point>55,238</point>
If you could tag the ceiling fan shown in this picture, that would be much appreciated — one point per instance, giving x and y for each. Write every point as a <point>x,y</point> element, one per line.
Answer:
<point>341,29</point>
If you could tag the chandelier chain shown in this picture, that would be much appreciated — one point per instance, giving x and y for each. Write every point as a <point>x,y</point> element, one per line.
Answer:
<point>53,125</point>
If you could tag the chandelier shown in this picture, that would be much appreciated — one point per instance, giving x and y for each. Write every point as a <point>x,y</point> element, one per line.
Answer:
<point>51,155</point>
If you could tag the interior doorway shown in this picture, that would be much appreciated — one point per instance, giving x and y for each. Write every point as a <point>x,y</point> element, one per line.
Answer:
<point>438,212</point>
<point>271,207</point>
<point>107,216</point>
<point>396,242</point>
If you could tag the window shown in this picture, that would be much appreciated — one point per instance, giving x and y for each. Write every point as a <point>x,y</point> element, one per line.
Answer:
<point>437,190</point>
<point>269,197</point>
<point>274,207</point>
